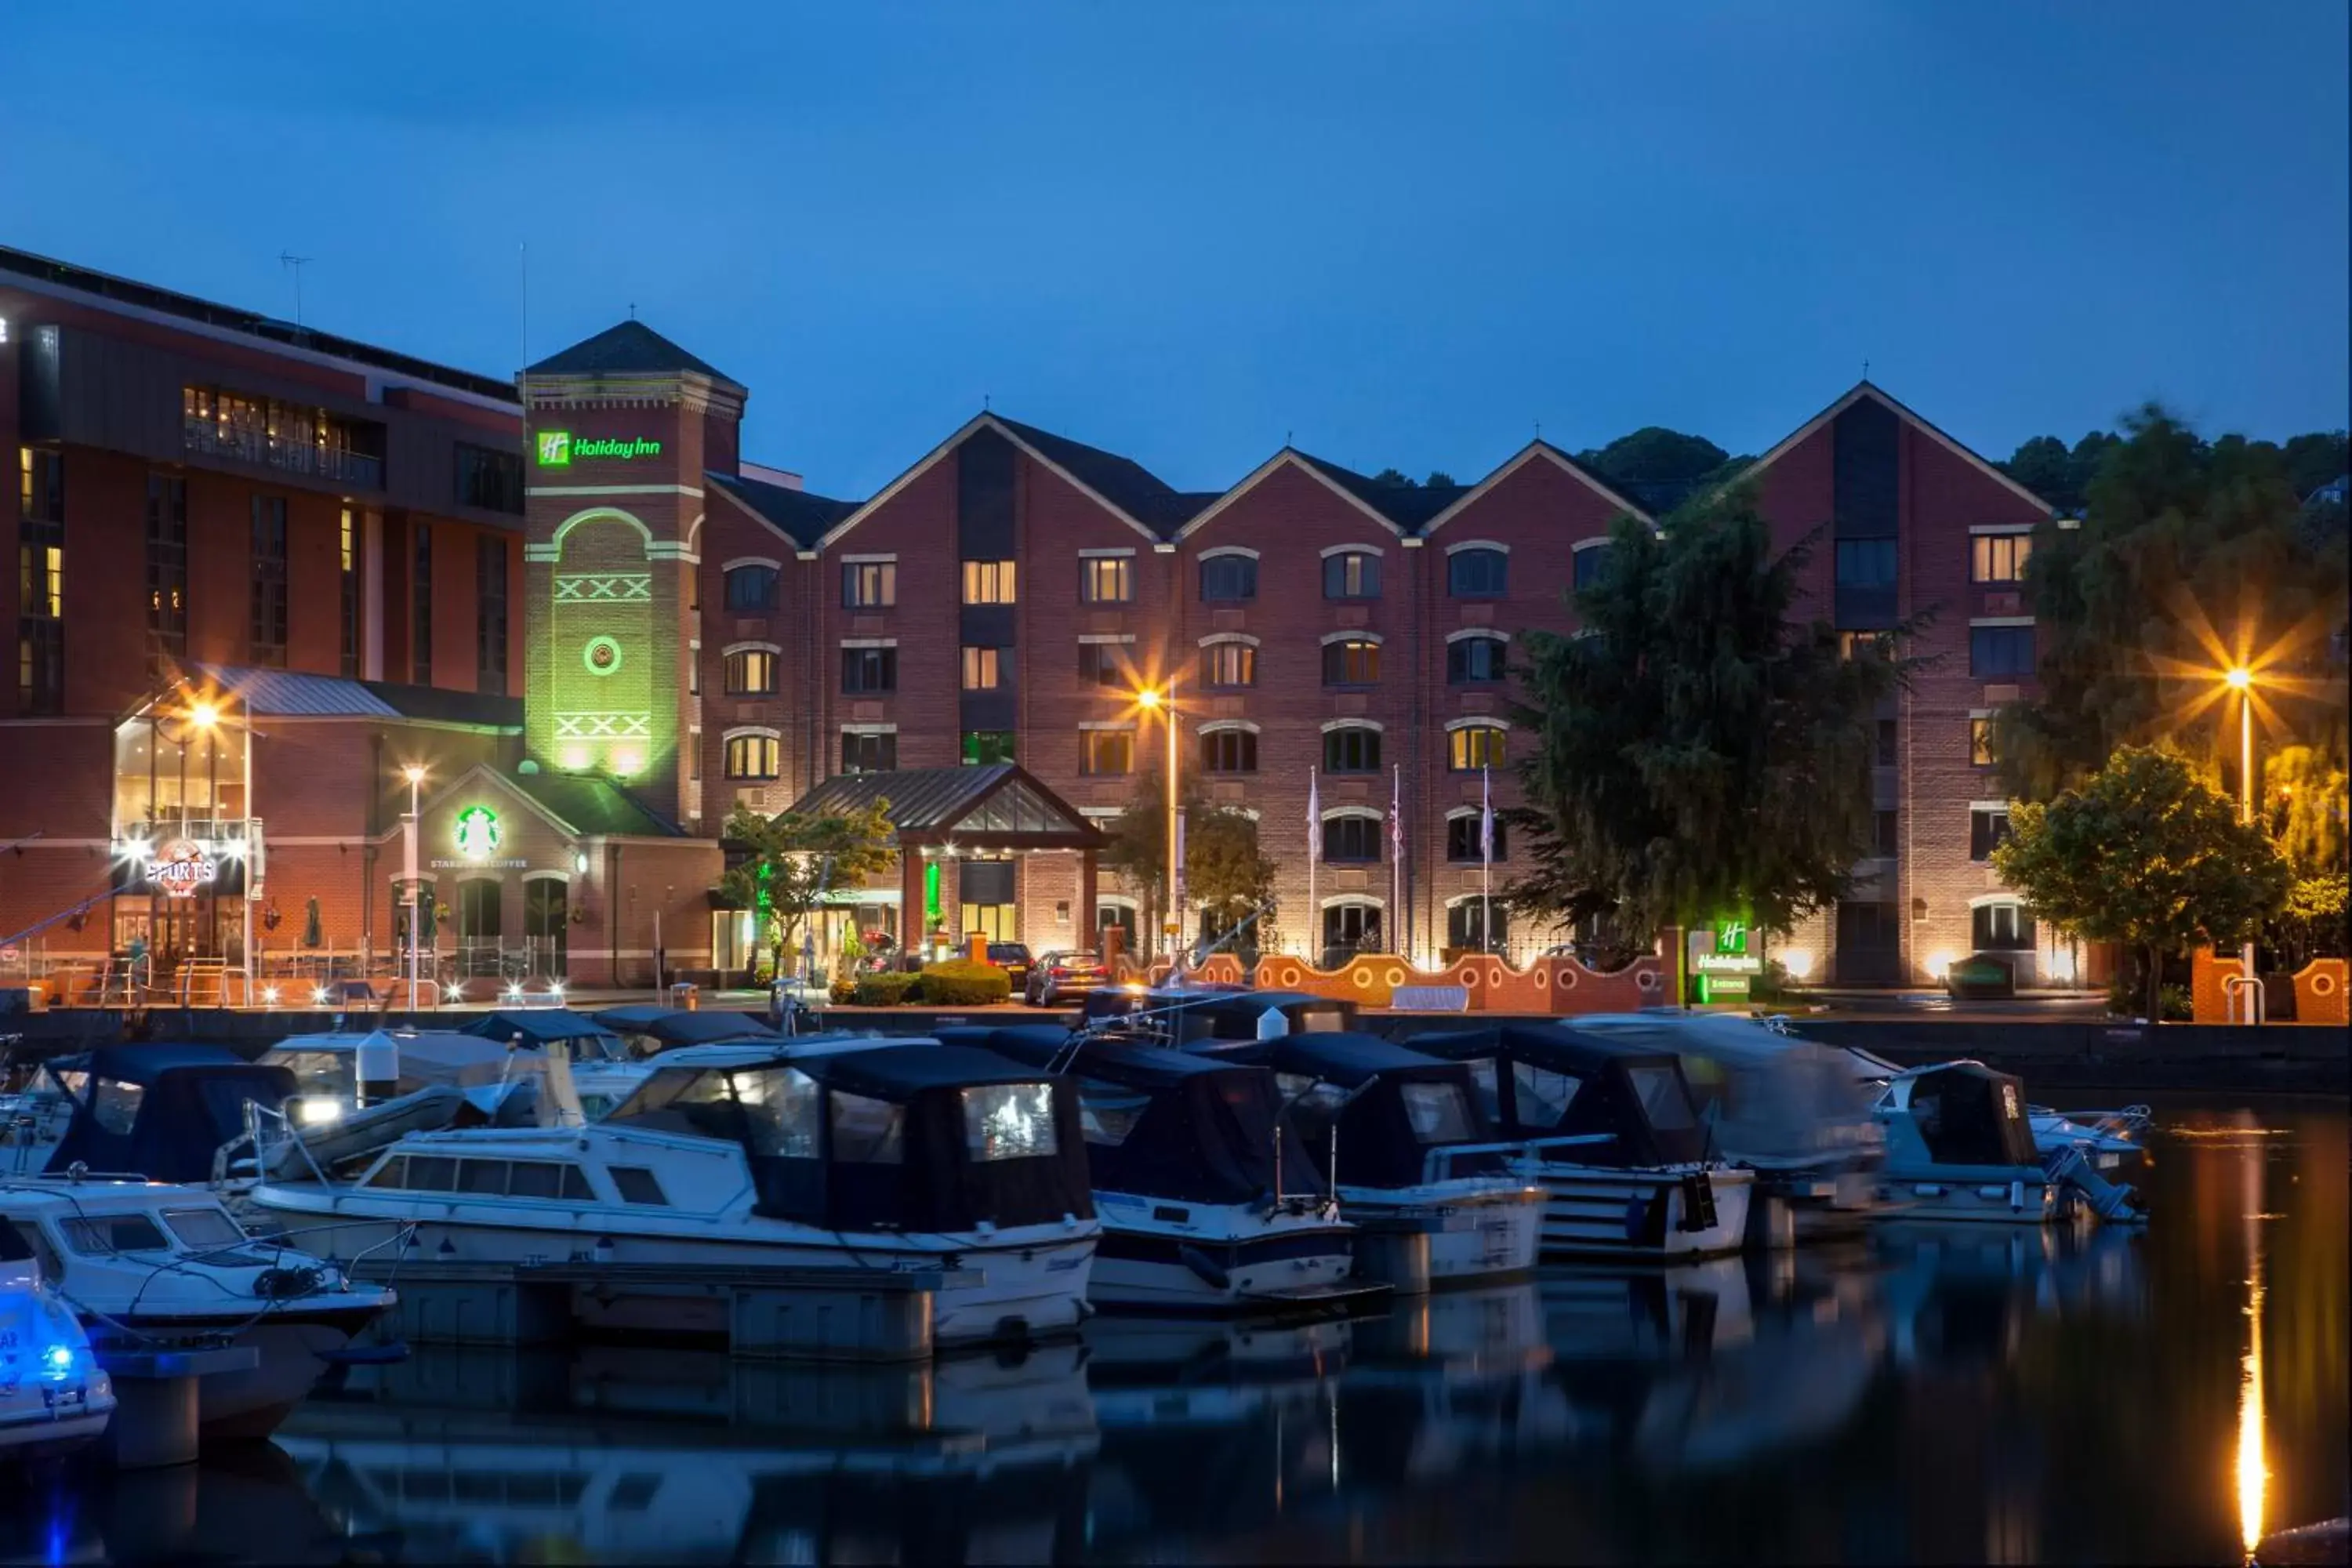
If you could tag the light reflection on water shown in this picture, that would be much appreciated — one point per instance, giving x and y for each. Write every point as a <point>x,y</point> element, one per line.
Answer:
<point>1937,1394</point>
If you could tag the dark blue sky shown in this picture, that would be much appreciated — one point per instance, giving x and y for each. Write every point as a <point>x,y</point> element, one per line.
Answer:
<point>1406,233</point>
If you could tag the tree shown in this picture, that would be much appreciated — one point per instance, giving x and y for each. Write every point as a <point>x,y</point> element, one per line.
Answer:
<point>789,860</point>
<point>1654,454</point>
<point>2304,792</point>
<point>1696,752</point>
<point>1227,874</point>
<point>2148,855</point>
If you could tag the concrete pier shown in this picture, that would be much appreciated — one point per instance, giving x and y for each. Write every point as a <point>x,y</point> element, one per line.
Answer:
<point>155,1402</point>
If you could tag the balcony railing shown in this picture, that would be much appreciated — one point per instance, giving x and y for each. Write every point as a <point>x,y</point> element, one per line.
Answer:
<point>341,464</point>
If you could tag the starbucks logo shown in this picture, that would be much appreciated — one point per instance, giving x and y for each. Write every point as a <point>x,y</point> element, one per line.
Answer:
<point>477,833</point>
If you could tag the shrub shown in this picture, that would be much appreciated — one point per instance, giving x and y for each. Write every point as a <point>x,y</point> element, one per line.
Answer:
<point>843,992</point>
<point>2123,1000</point>
<point>885,989</point>
<point>959,983</point>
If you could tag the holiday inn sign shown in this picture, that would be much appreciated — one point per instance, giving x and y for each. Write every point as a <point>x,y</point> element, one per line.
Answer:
<point>557,449</point>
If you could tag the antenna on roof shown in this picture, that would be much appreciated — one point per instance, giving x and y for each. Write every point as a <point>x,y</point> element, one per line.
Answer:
<point>1866,370</point>
<point>632,309</point>
<point>297,263</point>
<point>983,403</point>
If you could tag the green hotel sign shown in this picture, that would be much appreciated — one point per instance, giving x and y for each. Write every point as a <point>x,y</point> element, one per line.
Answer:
<point>557,449</point>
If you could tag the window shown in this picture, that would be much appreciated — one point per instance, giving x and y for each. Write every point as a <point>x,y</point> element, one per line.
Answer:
<point>490,480</point>
<point>1108,1113</point>
<point>1352,662</point>
<point>1475,746</point>
<point>1999,557</point>
<point>293,436</point>
<point>1466,924</point>
<point>982,668</point>
<point>1105,751</point>
<point>1228,578</point>
<point>1351,574</point>
<point>997,922</point>
<point>866,1130</point>
<point>490,614</point>
<point>1229,751</point>
<point>986,748</point>
<point>1106,579</point>
<point>1590,562</point>
<point>40,665</point>
<point>869,669</point>
<point>546,1179</point>
<point>869,584</point>
<point>1853,645</point>
<point>1886,749</point>
<point>114,1104</point>
<point>988,582</point>
<point>750,590</point>
<point>432,1175</point>
<point>751,756</point>
<point>102,1235</point>
<point>486,1178</point>
<point>1541,1096</point>
<point>1351,749</point>
<point>1471,660</point>
<point>1229,664</point>
<point>637,1185</point>
<point>41,565</point>
<point>347,584</point>
<point>1104,664</point>
<point>1988,830</point>
<point>1885,835</point>
<point>2001,928</point>
<point>420,610</point>
<point>1350,928</point>
<point>1347,838</point>
<point>1865,563</point>
<point>268,563</point>
<point>1437,1112</point>
<point>203,1228</point>
<point>1462,838</point>
<point>1478,574</point>
<point>1009,1121</point>
<point>41,487</point>
<point>167,571</point>
<point>1665,1101</point>
<point>752,672</point>
<point>869,750</point>
<point>1981,743</point>
<point>2001,651</point>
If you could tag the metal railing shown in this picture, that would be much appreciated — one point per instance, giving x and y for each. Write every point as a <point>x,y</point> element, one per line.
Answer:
<point>1437,1165</point>
<point>208,438</point>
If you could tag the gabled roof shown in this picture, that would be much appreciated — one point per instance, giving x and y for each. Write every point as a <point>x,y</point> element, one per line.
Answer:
<point>1001,806</point>
<point>1407,506</point>
<point>292,694</point>
<point>1862,389</point>
<point>1346,483</point>
<point>628,348</point>
<point>579,805</point>
<point>1129,479</point>
<point>799,515</point>
<point>1535,451</point>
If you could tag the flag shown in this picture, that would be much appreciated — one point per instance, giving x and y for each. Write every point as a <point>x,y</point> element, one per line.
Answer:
<point>1396,817</point>
<point>1485,815</point>
<point>1313,806</point>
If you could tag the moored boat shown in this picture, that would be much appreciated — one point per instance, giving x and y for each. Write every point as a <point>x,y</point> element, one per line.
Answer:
<point>54,1398</point>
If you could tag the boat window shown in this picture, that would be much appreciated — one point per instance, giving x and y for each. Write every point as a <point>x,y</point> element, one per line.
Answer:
<point>637,1185</point>
<point>327,1073</point>
<point>532,1179</point>
<point>782,1107</point>
<point>576,1187</point>
<point>1107,1113</point>
<point>392,1173</point>
<point>1482,1077</point>
<point>70,1083</point>
<point>1320,1021</point>
<point>13,1248</point>
<point>1543,1096</point>
<point>204,1228</point>
<point>116,1104</point>
<point>1662,1099</point>
<point>487,1178</point>
<point>1009,1121</point>
<point>1294,1084</point>
<point>868,1132</point>
<point>1438,1112</point>
<point>100,1234</point>
<point>635,1492</point>
<point>53,1266</point>
<point>430,1174</point>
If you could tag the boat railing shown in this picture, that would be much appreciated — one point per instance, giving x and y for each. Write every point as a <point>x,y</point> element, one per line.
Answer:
<point>1437,1165</point>
<point>267,1130</point>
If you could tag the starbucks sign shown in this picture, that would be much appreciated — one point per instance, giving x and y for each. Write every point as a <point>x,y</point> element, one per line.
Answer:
<point>477,833</point>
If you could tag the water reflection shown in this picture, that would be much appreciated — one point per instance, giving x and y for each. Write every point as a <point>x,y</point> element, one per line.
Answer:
<point>1931,1393</point>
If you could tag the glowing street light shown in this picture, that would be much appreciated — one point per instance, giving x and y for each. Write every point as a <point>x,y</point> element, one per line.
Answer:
<point>414,774</point>
<point>1154,701</point>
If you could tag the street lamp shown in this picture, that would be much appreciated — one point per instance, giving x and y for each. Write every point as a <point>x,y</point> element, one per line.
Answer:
<point>1164,704</point>
<point>409,828</point>
<point>2240,679</point>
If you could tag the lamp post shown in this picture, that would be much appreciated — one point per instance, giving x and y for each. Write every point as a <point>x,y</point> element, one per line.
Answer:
<point>2240,679</point>
<point>409,829</point>
<point>1164,704</point>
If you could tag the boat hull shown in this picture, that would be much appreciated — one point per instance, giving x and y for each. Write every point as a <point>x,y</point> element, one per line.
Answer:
<point>1974,1195</point>
<point>1592,1211</point>
<point>1146,1267</point>
<point>291,1349</point>
<point>1474,1231</point>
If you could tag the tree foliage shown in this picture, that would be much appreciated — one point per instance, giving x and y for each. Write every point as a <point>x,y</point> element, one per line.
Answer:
<point>1397,478</point>
<point>1696,751</point>
<point>1226,874</point>
<point>789,860</point>
<point>2147,854</point>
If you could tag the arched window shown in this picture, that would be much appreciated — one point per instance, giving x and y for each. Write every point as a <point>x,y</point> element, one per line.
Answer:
<point>752,590</point>
<point>752,672</point>
<point>1474,660</point>
<point>1591,561</point>
<point>1461,837</point>
<point>1229,751</point>
<point>1229,663</point>
<point>1470,747</point>
<point>1352,839</point>
<point>1479,572</point>
<point>1226,578</point>
<point>1352,662</point>
<point>1352,574</point>
<point>752,757</point>
<point>1351,749</point>
<point>1349,926</point>
<point>1466,925</point>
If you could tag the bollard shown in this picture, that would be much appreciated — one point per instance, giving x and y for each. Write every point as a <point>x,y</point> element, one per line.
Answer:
<point>155,1402</point>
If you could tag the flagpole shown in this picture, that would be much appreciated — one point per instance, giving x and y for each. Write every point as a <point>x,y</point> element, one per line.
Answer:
<point>1486,859</point>
<point>1314,852</point>
<point>1396,860</point>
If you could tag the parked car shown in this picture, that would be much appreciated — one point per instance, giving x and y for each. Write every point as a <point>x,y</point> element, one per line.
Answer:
<point>1060,975</point>
<point>1013,957</point>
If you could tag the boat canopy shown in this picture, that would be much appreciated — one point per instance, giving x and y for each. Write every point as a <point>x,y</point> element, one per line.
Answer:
<point>1167,1124</point>
<point>549,1028</point>
<point>662,1027</point>
<point>1769,1096</point>
<point>898,1137</point>
<point>1390,1106</point>
<point>1544,1081</point>
<point>159,1111</point>
<point>1968,1114</point>
<point>1223,1013</point>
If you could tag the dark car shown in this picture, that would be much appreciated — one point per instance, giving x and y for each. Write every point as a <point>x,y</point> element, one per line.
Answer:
<point>1013,957</point>
<point>1060,975</point>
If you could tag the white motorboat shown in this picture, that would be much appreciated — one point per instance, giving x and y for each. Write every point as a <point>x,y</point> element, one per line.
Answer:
<point>1208,1199</point>
<point>852,1153</point>
<point>1607,1129</point>
<point>148,1265</point>
<point>2107,1140</point>
<point>1400,1137</point>
<point>53,1396</point>
<point>1961,1146</point>
<point>341,1074</point>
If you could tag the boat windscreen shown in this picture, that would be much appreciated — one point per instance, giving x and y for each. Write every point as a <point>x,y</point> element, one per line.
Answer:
<point>328,1074</point>
<point>768,1110</point>
<point>1665,1101</point>
<point>1008,1120</point>
<point>1437,1112</point>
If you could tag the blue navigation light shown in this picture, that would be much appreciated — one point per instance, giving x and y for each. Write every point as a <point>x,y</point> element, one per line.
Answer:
<point>56,1362</point>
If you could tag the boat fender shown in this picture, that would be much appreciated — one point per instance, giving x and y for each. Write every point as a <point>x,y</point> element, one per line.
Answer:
<point>284,1284</point>
<point>1193,1258</point>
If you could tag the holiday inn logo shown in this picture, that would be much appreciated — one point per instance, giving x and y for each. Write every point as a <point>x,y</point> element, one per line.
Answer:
<point>557,449</point>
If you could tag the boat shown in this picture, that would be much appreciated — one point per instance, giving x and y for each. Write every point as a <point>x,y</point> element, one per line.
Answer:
<point>2108,1140</point>
<point>1960,1145</point>
<point>150,1266</point>
<point>1785,1108</point>
<point>855,1153</point>
<point>1402,1139</point>
<point>155,1111</point>
<point>341,1074</point>
<point>1608,1130</point>
<point>54,1396</point>
<point>647,1031</point>
<point>1181,1015</point>
<point>1208,1199</point>
<point>605,1069</point>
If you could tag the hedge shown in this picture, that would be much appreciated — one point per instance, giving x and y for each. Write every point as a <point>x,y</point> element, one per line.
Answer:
<point>886,990</point>
<point>960,983</point>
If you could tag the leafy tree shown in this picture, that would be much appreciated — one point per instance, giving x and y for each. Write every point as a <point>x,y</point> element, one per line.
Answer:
<point>789,860</point>
<point>1696,751</point>
<point>1654,454</point>
<point>1225,872</point>
<point>2146,854</point>
<point>1395,479</point>
<point>1439,479</point>
<point>2316,459</point>
<point>2304,792</point>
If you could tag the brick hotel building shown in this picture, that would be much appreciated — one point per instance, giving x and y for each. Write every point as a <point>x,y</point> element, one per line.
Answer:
<point>593,623</point>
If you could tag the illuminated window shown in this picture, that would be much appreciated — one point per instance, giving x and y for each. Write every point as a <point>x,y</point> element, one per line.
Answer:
<point>1229,664</point>
<point>1106,579</point>
<point>2001,928</point>
<point>347,602</point>
<point>752,672</point>
<point>988,582</point>
<point>1478,574</point>
<point>1229,751</point>
<point>1854,645</point>
<point>1105,751</point>
<point>1351,749</point>
<point>985,748</point>
<point>167,573</point>
<point>1999,557</point>
<point>1475,746</point>
<point>1981,743</point>
<point>1472,660</point>
<point>752,757</point>
<point>1228,578</point>
<point>869,584</point>
<point>1352,661</point>
<point>1351,574</point>
<point>982,668</point>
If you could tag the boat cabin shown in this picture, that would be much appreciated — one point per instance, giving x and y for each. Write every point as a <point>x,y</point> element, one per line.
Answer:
<point>1957,1114</point>
<point>157,1111</point>
<point>644,1030</point>
<point>1190,1014</point>
<point>1388,1106</point>
<point>555,1029</point>
<point>77,1229</point>
<point>865,1136</point>
<point>1771,1099</point>
<point>1547,1080</point>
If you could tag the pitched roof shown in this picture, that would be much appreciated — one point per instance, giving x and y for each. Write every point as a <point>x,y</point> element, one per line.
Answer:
<point>591,807</point>
<point>1862,389</point>
<point>974,803</point>
<point>801,516</point>
<point>627,348</point>
<point>290,693</point>
<point>1122,482</point>
<point>1407,506</point>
